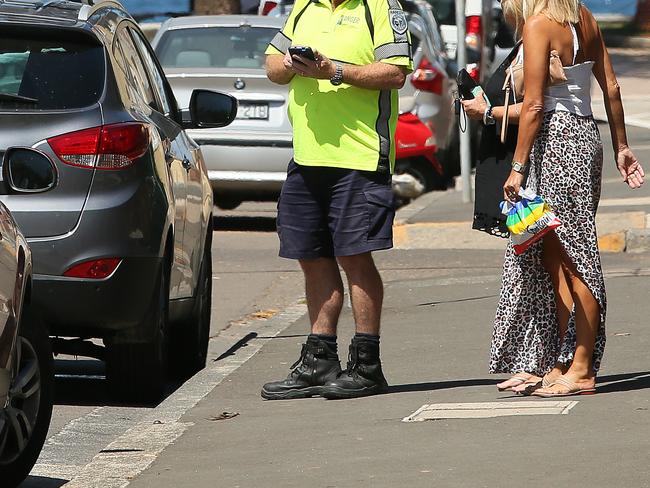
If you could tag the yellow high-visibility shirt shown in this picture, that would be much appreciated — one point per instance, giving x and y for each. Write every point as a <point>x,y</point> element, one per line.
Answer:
<point>345,126</point>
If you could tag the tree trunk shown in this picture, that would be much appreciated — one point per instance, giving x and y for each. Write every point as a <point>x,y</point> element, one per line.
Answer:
<point>642,20</point>
<point>215,7</point>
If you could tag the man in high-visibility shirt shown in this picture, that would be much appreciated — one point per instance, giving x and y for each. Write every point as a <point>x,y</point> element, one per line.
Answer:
<point>336,205</point>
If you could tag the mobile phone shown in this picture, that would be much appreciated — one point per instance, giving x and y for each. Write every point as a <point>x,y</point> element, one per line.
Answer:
<point>304,51</point>
<point>467,87</point>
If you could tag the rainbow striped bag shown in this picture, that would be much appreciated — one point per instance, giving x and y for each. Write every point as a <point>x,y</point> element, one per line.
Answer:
<point>528,219</point>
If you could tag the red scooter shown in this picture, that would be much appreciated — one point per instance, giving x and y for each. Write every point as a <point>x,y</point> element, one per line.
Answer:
<point>417,170</point>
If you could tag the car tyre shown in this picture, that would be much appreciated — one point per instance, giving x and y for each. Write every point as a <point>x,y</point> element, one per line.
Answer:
<point>422,170</point>
<point>190,337</point>
<point>138,372</point>
<point>29,409</point>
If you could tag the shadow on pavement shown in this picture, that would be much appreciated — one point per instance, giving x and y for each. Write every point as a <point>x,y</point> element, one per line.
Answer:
<point>82,382</point>
<point>42,482</point>
<point>440,385</point>
<point>249,224</point>
<point>624,382</point>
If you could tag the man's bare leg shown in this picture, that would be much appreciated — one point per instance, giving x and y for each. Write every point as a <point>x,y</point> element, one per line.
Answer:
<point>366,291</point>
<point>363,375</point>
<point>324,291</point>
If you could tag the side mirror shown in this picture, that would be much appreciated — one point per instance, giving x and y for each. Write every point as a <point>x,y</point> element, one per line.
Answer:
<point>212,109</point>
<point>28,171</point>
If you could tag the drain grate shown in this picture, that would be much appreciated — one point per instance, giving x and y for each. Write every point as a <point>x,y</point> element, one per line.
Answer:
<point>437,411</point>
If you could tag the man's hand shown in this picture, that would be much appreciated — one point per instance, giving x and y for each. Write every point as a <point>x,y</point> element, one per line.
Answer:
<point>321,69</point>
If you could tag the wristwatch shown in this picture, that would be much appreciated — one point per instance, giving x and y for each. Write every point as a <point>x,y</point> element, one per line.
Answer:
<point>488,118</point>
<point>519,167</point>
<point>337,79</point>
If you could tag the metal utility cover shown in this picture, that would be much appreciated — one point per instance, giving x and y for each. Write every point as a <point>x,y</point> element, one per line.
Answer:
<point>437,411</point>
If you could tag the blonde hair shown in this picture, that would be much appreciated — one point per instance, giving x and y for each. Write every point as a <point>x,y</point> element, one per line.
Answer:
<point>562,11</point>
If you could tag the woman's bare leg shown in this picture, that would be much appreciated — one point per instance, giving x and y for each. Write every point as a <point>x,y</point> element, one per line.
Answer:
<point>587,321</point>
<point>552,259</point>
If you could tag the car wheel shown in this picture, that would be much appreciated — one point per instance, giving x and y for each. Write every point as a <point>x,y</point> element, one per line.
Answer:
<point>189,345</point>
<point>227,203</point>
<point>422,170</point>
<point>137,372</point>
<point>25,419</point>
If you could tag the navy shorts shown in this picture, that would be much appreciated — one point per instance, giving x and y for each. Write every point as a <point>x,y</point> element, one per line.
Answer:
<point>328,212</point>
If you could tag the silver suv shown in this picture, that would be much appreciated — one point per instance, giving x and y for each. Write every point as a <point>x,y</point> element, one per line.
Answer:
<point>121,242</point>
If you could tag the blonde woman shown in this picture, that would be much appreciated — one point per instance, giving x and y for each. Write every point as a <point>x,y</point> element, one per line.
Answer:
<point>550,319</point>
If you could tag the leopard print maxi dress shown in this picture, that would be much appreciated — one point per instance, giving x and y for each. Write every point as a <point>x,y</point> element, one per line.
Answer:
<point>566,168</point>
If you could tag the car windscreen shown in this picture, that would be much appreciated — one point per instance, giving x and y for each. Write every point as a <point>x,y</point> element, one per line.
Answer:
<point>445,11</point>
<point>49,70</point>
<point>215,47</point>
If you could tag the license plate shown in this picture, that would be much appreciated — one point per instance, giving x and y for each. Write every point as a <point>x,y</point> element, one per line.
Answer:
<point>253,111</point>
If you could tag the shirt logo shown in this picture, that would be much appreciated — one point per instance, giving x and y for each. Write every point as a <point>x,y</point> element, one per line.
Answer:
<point>348,20</point>
<point>398,21</point>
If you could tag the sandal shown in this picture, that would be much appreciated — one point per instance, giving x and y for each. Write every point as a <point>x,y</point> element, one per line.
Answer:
<point>519,378</point>
<point>571,389</point>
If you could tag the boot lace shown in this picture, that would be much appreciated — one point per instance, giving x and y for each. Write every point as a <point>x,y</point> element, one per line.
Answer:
<point>303,354</point>
<point>353,362</point>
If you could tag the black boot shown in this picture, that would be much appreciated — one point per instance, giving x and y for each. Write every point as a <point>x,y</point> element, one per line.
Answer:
<point>363,376</point>
<point>318,364</point>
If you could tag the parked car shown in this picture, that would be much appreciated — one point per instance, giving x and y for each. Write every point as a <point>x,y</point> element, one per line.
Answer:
<point>248,160</point>
<point>26,370</point>
<point>479,36</point>
<point>429,90</point>
<point>121,243</point>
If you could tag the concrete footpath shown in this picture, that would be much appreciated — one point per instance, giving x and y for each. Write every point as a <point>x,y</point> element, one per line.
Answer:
<point>435,342</point>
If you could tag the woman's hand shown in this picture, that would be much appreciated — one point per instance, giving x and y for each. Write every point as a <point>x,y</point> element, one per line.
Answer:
<point>476,107</point>
<point>321,69</point>
<point>630,168</point>
<point>512,185</point>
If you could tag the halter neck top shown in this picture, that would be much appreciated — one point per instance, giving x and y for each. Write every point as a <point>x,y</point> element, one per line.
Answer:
<point>574,95</point>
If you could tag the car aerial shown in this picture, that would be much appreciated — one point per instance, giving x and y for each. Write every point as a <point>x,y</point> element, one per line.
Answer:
<point>121,242</point>
<point>26,365</point>
<point>248,160</point>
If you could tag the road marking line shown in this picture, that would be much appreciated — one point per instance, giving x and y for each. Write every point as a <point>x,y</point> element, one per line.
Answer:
<point>135,450</point>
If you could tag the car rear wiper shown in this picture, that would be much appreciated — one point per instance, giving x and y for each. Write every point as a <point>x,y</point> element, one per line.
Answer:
<point>10,97</point>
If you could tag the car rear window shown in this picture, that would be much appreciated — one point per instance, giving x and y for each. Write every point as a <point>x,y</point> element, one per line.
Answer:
<point>49,71</point>
<point>215,47</point>
<point>445,11</point>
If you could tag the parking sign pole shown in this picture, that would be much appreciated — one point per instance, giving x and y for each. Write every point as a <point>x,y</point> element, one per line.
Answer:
<point>465,141</point>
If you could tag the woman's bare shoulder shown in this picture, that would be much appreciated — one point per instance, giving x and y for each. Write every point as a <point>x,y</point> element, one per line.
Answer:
<point>538,25</point>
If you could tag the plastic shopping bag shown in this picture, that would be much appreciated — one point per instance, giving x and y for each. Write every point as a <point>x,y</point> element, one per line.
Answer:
<point>528,219</point>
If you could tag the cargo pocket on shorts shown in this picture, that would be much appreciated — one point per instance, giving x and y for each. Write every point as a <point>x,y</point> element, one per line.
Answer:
<point>381,212</point>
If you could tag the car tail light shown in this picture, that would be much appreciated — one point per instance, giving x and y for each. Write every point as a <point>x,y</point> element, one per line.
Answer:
<point>473,37</point>
<point>427,78</point>
<point>268,6</point>
<point>114,146</point>
<point>474,32</point>
<point>97,269</point>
